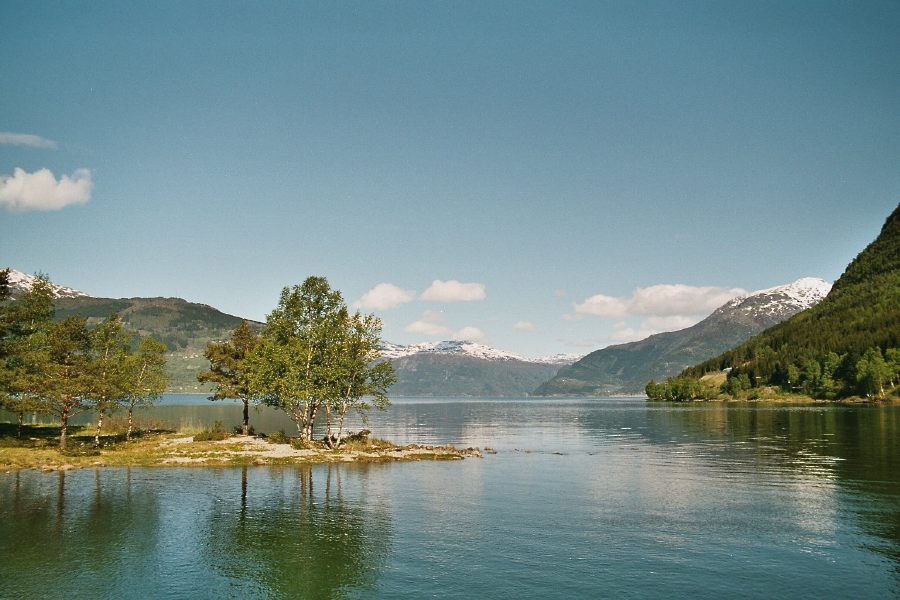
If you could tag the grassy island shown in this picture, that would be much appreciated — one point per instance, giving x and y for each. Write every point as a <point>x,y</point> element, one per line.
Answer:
<point>37,449</point>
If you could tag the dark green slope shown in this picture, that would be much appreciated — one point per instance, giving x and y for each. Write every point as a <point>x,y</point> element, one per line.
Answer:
<point>185,327</point>
<point>862,311</point>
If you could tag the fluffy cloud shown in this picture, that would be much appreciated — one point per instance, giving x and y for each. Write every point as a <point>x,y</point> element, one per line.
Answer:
<point>40,190</point>
<point>453,291</point>
<point>623,333</point>
<point>469,334</point>
<point>26,139</point>
<point>384,296</point>
<point>664,300</point>
<point>428,328</point>
<point>524,326</point>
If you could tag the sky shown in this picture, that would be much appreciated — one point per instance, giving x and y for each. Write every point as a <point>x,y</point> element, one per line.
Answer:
<point>492,171</point>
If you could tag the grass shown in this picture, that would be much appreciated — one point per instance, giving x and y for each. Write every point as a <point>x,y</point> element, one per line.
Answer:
<point>157,446</point>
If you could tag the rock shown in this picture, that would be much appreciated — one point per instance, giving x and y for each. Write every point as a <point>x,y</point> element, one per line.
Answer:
<point>259,462</point>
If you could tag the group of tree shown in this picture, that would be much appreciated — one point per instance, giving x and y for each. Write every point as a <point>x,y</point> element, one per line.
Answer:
<point>846,345</point>
<point>680,389</point>
<point>872,375</point>
<point>64,367</point>
<point>312,356</point>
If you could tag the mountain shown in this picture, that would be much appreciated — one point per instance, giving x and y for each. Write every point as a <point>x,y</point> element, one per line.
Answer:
<point>861,313</point>
<point>463,368</point>
<point>20,282</point>
<point>185,327</point>
<point>626,368</point>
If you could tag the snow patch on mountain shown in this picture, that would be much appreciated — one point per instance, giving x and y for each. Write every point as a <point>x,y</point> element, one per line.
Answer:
<point>780,300</point>
<point>22,282</point>
<point>471,349</point>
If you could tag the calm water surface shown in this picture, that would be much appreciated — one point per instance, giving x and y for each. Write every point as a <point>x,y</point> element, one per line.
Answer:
<point>584,498</point>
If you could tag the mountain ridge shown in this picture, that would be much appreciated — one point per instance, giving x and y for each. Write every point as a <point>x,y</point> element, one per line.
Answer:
<point>626,368</point>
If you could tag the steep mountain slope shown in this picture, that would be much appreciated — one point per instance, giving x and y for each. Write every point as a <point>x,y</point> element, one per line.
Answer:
<point>861,312</point>
<point>626,368</point>
<point>460,368</point>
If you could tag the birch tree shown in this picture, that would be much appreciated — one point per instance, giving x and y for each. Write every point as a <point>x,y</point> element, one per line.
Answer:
<point>303,359</point>
<point>145,377</point>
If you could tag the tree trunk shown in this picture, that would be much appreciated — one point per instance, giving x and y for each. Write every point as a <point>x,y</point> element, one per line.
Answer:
<point>130,420</point>
<point>99,428</point>
<point>246,427</point>
<point>64,430</point>
<point>19,421</point>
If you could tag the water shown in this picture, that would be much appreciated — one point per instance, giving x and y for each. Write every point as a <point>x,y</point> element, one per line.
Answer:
<point>584,498</point>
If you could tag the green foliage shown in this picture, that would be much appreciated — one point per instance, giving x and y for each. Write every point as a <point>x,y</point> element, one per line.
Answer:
<point>680,389</point>
<point>279,437</point>
<point>313,353</point>
<point>184,327</point>
<point>227,361</point>
<point>216,433</point>
<point>817,351</point>
<point>872,372</point>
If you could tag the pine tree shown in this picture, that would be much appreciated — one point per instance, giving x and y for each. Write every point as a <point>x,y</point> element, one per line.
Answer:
<point>227,364</point>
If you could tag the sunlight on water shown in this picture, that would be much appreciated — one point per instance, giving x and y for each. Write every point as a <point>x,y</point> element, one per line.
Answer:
<point>584,498</point>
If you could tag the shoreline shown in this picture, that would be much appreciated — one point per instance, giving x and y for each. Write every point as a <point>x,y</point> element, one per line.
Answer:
<point>179,450</point>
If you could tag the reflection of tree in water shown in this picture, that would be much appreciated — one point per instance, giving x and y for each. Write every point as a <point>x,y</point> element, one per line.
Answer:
<point>302,539</point>
<point>859,447</point>
<point>71,531</point>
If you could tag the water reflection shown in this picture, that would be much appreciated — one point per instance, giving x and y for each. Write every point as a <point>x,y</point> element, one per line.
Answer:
<point>296,535</point>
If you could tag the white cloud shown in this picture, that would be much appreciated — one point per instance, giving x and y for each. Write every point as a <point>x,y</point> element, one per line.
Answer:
<point>603,306</point>
<point>524,326</point>
<point>679,299</point>
<point>663,300</point>
<point>623,333</point>
<point>384,296</point>
<point>433,316</point>
<point>469,334</point>
<point>40,190</point>
<point>26,139</point>
<point>453,291</point>
<point>429,329</point>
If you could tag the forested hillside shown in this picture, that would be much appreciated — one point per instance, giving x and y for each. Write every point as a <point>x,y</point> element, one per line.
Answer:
<point>847,344</point>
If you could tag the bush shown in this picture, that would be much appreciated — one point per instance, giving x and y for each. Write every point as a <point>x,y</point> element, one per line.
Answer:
<point>239,430</point>
<point>279,437</point>
<point>214,434</point>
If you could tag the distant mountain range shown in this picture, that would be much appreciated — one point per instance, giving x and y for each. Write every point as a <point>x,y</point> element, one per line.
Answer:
<point>185,327</point>
<point>464,368</point>
<point>626,368</point>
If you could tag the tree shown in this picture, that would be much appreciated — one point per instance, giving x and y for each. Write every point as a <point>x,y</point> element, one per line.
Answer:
<point>111,346</point>
<point>359,374</point>
<point>145,376</point>
<point>892,357</point>
<point>60,370</point>
<point>20,324</point>
<point>227,365</point>
<point>871,373</point>
<point>305,358</point>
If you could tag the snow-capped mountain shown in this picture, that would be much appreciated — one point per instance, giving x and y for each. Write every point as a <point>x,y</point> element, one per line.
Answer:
<point>22,282</point>
<point>626,368</point>
<point>777,303</point>
<point>470,349</point>
<point>465,368</point>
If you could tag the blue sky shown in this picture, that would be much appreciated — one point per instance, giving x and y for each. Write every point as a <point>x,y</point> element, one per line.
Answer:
<point>524,156</point>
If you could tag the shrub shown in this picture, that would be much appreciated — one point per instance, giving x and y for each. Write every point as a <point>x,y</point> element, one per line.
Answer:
<point>214,434</point>
<point>279,437</point>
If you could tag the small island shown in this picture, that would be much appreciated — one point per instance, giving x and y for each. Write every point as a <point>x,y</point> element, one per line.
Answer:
<point>37,448</point>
